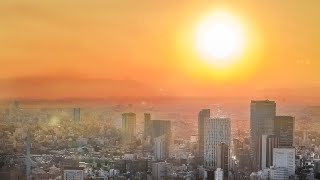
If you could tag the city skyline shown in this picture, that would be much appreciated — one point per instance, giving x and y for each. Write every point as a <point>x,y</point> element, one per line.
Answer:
<point>159,90</point>
<point>152,146</point>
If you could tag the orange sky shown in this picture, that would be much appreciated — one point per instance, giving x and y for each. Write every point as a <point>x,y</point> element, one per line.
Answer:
<point>55,48</point>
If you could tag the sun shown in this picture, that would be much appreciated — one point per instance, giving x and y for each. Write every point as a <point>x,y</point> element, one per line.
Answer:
<point>220,39</point>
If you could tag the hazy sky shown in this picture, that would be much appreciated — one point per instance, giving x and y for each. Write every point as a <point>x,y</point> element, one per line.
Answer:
<point>147,48</point>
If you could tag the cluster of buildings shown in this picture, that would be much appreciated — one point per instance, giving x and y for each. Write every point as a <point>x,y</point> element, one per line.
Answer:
<point>268,153</point>
<point>276,148</point>
<point>272,142</point>
<point>78,149</point>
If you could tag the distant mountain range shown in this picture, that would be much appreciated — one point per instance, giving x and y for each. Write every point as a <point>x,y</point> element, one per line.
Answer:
<point>71,87</point>
<point>99,88</point>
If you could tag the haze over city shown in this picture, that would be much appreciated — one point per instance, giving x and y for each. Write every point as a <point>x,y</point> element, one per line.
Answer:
<point>159,90</point>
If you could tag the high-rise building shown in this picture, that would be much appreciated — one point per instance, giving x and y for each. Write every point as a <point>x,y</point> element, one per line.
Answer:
<point>216,131</point>
<point>222,157</point>
<point>160,150</point>
<point>285,158</point>
<point>262,114</point>
<point>266,145</point>
<point>76,115</point>
<point>284,129</point>
<point>162,128</point>
<point>128,126</point>
<point>203,114</point>
<point>147,125</point>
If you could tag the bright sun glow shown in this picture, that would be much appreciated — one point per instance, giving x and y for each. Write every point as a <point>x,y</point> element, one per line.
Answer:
<point>220,39</point>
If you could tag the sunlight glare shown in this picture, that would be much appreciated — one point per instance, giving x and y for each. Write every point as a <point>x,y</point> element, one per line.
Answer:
<point>220,39</point>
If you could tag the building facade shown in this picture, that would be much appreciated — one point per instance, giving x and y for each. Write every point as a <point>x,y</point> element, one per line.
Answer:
<point>218,174</point>
<point>279,173</point>
<point>162,129</point>
<point>262,114</point>
<point>73,174</point>
<point>223,160</point>
<point>266,145</point>
<point>160,149</point>
<point>216,131</point>
<point>147,125</point>
<point>128,127</point>
<point>203,115</point>
<point>284,128</point>
<point>285,158</point>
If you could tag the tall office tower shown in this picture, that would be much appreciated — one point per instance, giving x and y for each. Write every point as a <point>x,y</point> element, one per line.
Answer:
<point>128,127</point>
<point>222,157</point>
<point>76,115</point>
<point>203,114</point>
<point>261,122</point>
<point>162,128</point>
<point>147,125</point>
<point>266,145</point>
<point>284,129</point>
<point>216,131</point>
<point>160,152</point>
<point>285,158</point>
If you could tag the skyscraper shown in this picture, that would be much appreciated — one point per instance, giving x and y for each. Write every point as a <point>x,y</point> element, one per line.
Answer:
<point>162,128</point>
<point>222,157</point>
<point>284,129</point>
<point>147,125</point>
<point>216,131</point>
<point>262,114</point>
<point>203,114</point>
<point>128,126</point>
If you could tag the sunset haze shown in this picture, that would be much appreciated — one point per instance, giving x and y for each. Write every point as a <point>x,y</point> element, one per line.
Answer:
<point>99,49</point>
